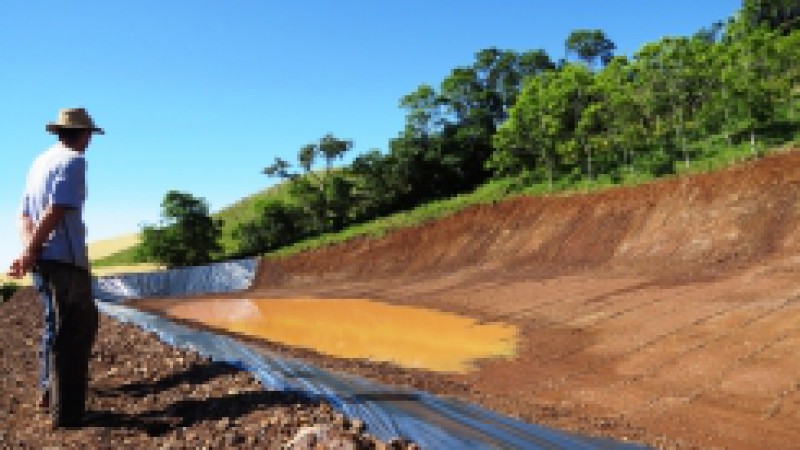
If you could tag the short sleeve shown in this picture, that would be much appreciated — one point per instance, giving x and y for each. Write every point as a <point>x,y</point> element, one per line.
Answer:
<point>69,184</point>
<point>25,206</point>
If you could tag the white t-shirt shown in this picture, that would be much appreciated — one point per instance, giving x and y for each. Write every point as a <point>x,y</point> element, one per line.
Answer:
<point>58,176</point>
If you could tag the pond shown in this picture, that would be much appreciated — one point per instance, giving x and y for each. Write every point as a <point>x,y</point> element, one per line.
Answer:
<point>407,336</point>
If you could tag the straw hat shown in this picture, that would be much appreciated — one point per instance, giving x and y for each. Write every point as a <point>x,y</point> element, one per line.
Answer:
<point>76,118</point>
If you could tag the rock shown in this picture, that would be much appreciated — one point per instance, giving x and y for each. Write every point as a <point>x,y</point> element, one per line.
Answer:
<point>319,436</point>
<point>357,426</point>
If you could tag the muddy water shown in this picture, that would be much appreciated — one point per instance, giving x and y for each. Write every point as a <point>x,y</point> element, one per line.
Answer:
<point>355,328</point>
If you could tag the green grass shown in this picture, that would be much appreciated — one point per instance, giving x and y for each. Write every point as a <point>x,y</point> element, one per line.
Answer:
<point>121,258</point>
<point>245,210</point>
<point>722,156</point>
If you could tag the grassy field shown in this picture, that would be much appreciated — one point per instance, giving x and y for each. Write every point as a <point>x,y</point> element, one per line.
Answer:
<point>107,247</point>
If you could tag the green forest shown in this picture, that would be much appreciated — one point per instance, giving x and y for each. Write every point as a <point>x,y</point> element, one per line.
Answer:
<point>527,122</point>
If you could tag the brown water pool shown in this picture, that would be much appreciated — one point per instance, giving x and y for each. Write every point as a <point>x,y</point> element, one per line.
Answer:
<point>355,328</point>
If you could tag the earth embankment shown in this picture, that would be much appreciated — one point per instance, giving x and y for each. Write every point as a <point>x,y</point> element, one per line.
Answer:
<point>668,313</point>
<point>709,223</point>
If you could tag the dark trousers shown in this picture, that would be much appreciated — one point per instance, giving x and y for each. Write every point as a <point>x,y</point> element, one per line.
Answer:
<point>70,328</point>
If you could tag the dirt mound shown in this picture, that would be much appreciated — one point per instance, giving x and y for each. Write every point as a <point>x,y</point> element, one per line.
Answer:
<point>667,313</point>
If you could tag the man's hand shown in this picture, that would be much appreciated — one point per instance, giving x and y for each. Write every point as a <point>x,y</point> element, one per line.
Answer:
<point>22,265</point>
<point>34,237</point>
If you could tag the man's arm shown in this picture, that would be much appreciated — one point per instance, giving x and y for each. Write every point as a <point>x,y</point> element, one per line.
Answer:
<point>25,229</point>
<point>34,238</point>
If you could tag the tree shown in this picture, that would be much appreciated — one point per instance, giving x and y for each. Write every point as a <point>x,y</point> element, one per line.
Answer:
<point>424,111</point>
<point>329,147</point>
<point>712,34</point>
<point>278,224</point>
<point>186,235</point>
<point>447,139</point>
<point>325,195</point>
<point>654,79</point>
<point>525,142</point>
<point>280,168</point>
<point>623,129</point>
<point>588,120</point>
<point>676,97</point>
<point>377,184</point>
<point>788,52</point>
<point>752,81</point>
<point>589,46</point>
<point>545,129</point>
<point>782,15</point>
<point>532,63</point>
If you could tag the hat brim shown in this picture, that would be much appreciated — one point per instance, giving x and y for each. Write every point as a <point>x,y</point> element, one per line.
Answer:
<point>53,128</point>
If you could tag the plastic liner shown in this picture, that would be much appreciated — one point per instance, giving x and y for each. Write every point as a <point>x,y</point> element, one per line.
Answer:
<point>225,276</point>
<point>430,421</point>
<point>388,412</point>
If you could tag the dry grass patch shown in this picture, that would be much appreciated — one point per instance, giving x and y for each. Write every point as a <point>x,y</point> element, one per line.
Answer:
<point>26,281</point>
<point>106,247</point>
<point>133,268</point>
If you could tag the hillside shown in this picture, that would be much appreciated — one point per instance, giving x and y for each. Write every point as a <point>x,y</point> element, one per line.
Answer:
<point>105,247</point>
<point>667,313</point>
<point>709,223</point>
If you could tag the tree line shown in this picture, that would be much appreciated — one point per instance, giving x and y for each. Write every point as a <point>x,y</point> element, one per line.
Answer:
<point>590,115</point>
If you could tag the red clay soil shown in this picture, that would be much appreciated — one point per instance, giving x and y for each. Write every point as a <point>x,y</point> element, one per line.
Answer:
<point>667,313</point>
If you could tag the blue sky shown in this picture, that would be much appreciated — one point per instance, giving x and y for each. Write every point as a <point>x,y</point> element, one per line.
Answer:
<point>200,95</point>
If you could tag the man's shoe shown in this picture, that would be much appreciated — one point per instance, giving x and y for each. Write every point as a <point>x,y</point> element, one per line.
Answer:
<point>44,400</point>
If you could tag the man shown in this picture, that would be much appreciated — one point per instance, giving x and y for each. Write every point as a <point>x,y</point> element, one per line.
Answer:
<point>54,250</point>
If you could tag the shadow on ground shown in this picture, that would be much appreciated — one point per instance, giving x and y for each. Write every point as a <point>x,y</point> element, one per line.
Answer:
<point>185,412</point>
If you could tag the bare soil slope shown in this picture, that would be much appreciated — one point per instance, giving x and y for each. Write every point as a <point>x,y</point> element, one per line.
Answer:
<point>668,313</point>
